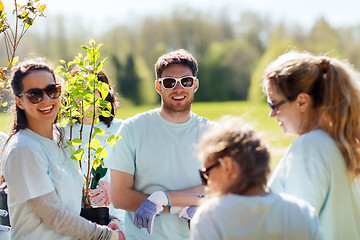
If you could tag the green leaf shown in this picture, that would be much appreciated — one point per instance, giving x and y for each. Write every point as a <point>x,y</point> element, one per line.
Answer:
<point>98,131</point>
<point>101,153</point>
<point>78,154</point>
<point>75,142</point>
<point>112,139</point>
<point>94,144</point>
<point>1,7</point>
<point>42,8</point>
<point>96,163</point>
<point>92,41</point>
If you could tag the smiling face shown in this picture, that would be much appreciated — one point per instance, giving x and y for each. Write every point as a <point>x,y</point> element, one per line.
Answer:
<point>288,115</point>
<point>177,100</point>
<point>42,115</point>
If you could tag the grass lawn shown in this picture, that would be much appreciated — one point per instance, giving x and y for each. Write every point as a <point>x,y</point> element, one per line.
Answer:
<point>257,114</point>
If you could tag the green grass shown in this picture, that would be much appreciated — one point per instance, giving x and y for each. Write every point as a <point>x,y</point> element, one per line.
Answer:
<point>257,114</point>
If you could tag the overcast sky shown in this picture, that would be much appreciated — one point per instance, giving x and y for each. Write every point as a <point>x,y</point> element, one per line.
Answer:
<point>104,14</point>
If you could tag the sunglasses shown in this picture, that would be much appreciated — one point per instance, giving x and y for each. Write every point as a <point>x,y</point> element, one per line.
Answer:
<point>204,173</point>
<point>275,107</point>
<point>170,82</point>
<point>35,95</point>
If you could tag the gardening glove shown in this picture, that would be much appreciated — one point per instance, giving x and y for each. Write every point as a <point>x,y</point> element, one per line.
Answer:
<point>151,208</point>
<point>184,212</point>
<point>100,196</point>
<point>4,213</point>
<point>114,224</point>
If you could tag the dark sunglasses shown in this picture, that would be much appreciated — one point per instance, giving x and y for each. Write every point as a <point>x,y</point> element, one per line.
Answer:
<point>204,173</point>
<point>275,107</point>
<point>170,82</point>
<point>35,95</point>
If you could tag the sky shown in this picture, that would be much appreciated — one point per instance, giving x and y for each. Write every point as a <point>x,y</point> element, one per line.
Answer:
<point>102,15</point>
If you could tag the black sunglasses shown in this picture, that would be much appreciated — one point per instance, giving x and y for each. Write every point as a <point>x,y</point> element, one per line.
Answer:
<point>275,107</point>
<point>204,173</point>
<point>170,82</point>
<point>35,95</point>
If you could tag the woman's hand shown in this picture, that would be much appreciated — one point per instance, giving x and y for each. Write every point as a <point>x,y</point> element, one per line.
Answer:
<point>101,195</point>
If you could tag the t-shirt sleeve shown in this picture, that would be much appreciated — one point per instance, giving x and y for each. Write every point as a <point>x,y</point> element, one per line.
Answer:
<point>306,176</point>
<point>122,155</point>
<point>27,174</point>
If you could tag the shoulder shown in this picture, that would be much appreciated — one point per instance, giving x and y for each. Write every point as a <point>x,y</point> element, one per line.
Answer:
<point>315,138</point>
<point>141,118</point>
<point>296,204</point>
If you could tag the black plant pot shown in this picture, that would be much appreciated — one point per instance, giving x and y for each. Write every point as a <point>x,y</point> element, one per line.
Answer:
<point>3,205</point>
<point>99,215</point>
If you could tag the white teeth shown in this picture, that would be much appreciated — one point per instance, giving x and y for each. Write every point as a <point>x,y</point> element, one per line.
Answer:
<point>179,97</point>
<point>46,109</point>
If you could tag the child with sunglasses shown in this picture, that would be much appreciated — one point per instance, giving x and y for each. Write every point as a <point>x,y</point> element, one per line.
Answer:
<point>318,99</point>
<point>239,205</point>
<point>44,183</point>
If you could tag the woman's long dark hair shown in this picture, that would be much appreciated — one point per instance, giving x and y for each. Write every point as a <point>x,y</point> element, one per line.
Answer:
<point>18,74</point>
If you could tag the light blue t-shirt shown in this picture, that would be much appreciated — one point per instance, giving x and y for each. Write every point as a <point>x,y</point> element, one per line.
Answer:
<point>3,137</point>
<point>314,169</point>
<point>161,156</point>
<point>112,130</point>
<point>270,217</point>
<point>34,166</point>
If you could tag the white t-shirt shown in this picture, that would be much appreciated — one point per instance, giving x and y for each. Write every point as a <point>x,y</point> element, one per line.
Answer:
<point>34,166</point>
<point>161,156</point>
<point>266,217</point>
<point>314,170</point>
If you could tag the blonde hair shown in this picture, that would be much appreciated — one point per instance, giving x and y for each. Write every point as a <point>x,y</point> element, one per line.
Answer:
<point>334,89</point>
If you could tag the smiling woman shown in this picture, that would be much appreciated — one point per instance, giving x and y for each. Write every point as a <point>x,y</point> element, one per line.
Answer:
<point>44,183</point>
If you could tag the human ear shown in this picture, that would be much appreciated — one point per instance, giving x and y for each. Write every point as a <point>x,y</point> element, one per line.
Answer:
<point>19,103</point>
<point>196,86</point>
<point>303,101</point>
<point>157,87</point>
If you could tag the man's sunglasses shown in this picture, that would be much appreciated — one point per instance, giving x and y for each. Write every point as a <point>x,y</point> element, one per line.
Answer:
<point>35,95</point>
<point>204,173</point>
<point>170,82</point>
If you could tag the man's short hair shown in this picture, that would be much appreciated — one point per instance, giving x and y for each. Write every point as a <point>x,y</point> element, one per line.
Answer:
<point>180,56</point>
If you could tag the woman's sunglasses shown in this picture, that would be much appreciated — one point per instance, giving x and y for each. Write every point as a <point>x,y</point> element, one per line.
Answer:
<point>170,82</point>
<point>35,95</point>
<point>204,173</point>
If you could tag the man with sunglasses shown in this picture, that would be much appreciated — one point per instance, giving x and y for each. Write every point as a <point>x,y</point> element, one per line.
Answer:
<point>154,169</point>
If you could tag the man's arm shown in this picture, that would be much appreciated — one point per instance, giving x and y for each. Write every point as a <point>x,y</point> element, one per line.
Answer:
<point>122,193</point>
<point>125,197</point>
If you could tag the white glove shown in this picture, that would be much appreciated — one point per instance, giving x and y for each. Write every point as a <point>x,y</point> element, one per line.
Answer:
<point>186,213</point>
<point>151,208</point>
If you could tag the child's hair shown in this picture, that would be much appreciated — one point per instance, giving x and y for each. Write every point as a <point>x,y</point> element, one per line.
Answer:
<point>334,89</point>
<point>179,56</point>
<point>231,138</point>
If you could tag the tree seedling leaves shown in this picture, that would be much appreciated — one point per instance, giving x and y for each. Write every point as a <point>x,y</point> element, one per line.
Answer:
<point>94,144</point>
<point>78,154</point>
<point>112,139</point>
<point>1,7</point>
<point>101,153</point>
<point>75,142</point>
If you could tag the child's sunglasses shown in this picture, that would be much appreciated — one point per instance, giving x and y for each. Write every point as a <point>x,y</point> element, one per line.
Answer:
<point>170,82</point>
<point>35,95</point>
